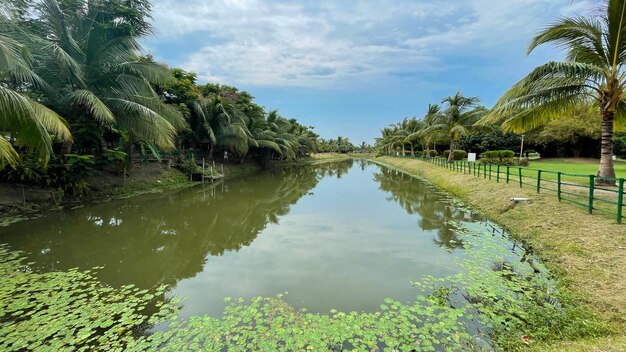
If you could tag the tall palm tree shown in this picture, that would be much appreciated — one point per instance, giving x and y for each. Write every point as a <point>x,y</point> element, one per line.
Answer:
<point>457,119</point>
<point>24,121</point>
<point>593,69</point>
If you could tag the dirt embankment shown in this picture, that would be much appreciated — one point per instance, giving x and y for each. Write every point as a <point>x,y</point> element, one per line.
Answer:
<point>21,201</point>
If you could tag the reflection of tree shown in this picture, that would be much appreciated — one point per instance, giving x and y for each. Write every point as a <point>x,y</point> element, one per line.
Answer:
<point>435,211</point>
<point>164,238</point>
<point>334,169</point>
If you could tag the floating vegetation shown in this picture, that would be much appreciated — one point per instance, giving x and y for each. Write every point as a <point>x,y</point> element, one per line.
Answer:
<point>72,310</point>
<point>497,301</point>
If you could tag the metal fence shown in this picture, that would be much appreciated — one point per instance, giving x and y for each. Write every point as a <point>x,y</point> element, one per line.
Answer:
<point>580,189</point>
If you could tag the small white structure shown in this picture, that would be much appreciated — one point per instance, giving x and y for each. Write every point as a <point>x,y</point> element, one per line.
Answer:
<point>471,156</point>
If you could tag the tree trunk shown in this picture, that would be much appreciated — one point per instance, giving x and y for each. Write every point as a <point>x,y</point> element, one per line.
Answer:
<point>606,154</point>
<point>412,151</point>
<point>451,155</point>
<point>402,149</point>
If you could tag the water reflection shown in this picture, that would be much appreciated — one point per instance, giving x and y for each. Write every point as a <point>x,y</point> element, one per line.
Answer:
<point>325,233</point>
<point>435,210</point>
<point>163,238</point>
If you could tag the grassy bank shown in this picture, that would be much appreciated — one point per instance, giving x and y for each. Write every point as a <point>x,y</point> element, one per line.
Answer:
<point>586,252</point>
<point>327,157</point>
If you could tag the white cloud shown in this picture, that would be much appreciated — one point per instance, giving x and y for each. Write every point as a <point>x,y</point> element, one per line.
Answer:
<point>321,44</point>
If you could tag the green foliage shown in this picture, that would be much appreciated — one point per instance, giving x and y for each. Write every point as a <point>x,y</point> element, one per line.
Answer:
<point>67,174</point>
<point>493,140</point>
<point>499,157</point>
<point>189,165</point>
<point>111,159</point>
<point>619,146</point>
<point>456,154</point>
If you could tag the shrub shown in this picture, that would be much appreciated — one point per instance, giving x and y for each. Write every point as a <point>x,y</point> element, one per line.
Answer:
<point>419,154</point>
<point>432,153</point>
<point>189,166</point>
<point>67,174</point>
<point>459,154</point>
<point>112,160</point>
<point>523,162</point>
<point>498,157</point>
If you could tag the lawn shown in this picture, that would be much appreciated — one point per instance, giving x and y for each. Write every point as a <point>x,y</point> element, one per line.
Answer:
<point>575,166</point>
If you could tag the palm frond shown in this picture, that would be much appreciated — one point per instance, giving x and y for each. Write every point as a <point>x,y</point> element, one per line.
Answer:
<point>8,155</point>
<point>95,107</point>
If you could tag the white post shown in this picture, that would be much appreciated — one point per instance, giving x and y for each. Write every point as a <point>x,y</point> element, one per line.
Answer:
<point>521,149</point>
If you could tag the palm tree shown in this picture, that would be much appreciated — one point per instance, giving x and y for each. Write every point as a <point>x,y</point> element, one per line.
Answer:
<point>88,52</point>
<point>457,119</point>
<point>593,69</point>
<point>406,133</point>
<point>24,121</point>
<point>422,131</point>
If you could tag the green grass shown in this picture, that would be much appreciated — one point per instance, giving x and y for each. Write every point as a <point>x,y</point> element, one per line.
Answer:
<point>575,166</point>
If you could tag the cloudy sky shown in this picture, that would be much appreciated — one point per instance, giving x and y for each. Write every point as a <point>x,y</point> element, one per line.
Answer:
<point>352,67</point>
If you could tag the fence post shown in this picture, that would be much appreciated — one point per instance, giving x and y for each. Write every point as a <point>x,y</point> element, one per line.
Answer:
<point>485,170</point>
<point>519,169</point>
<point>498,175</point>
<point>538,180</point>
<point>490,171</point>
<point>620,200</point>
<point>558,185</point>
<point>508,172</point>
<point>591,187</point>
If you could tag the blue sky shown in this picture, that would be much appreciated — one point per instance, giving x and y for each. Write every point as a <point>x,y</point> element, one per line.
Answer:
<point>352,67</point>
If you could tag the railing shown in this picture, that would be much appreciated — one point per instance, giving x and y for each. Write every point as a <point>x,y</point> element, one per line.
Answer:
<point>580,189</point>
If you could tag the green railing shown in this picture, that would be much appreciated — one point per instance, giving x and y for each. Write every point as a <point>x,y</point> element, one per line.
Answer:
<point>579,189</point>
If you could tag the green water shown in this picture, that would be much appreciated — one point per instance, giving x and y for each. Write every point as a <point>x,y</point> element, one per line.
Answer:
<point>340,235</point>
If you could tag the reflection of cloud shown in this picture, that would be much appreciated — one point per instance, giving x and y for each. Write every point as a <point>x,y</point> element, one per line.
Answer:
<point>313,44</point>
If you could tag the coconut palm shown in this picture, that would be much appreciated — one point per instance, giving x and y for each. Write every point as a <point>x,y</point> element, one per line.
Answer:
<point>593,69</point>
<point>26,122</point>
<point>457,119</point>
<point>88,53</point>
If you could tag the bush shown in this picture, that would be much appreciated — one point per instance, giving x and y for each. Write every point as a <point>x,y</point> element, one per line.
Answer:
<point>498,157</point>
<point>67,174</point>
<point>419,154</point>
<point>189,166</point>
<point>523,162</point>
<point>432,153</point>
<point>112,160</point>
<point>457,154</point>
